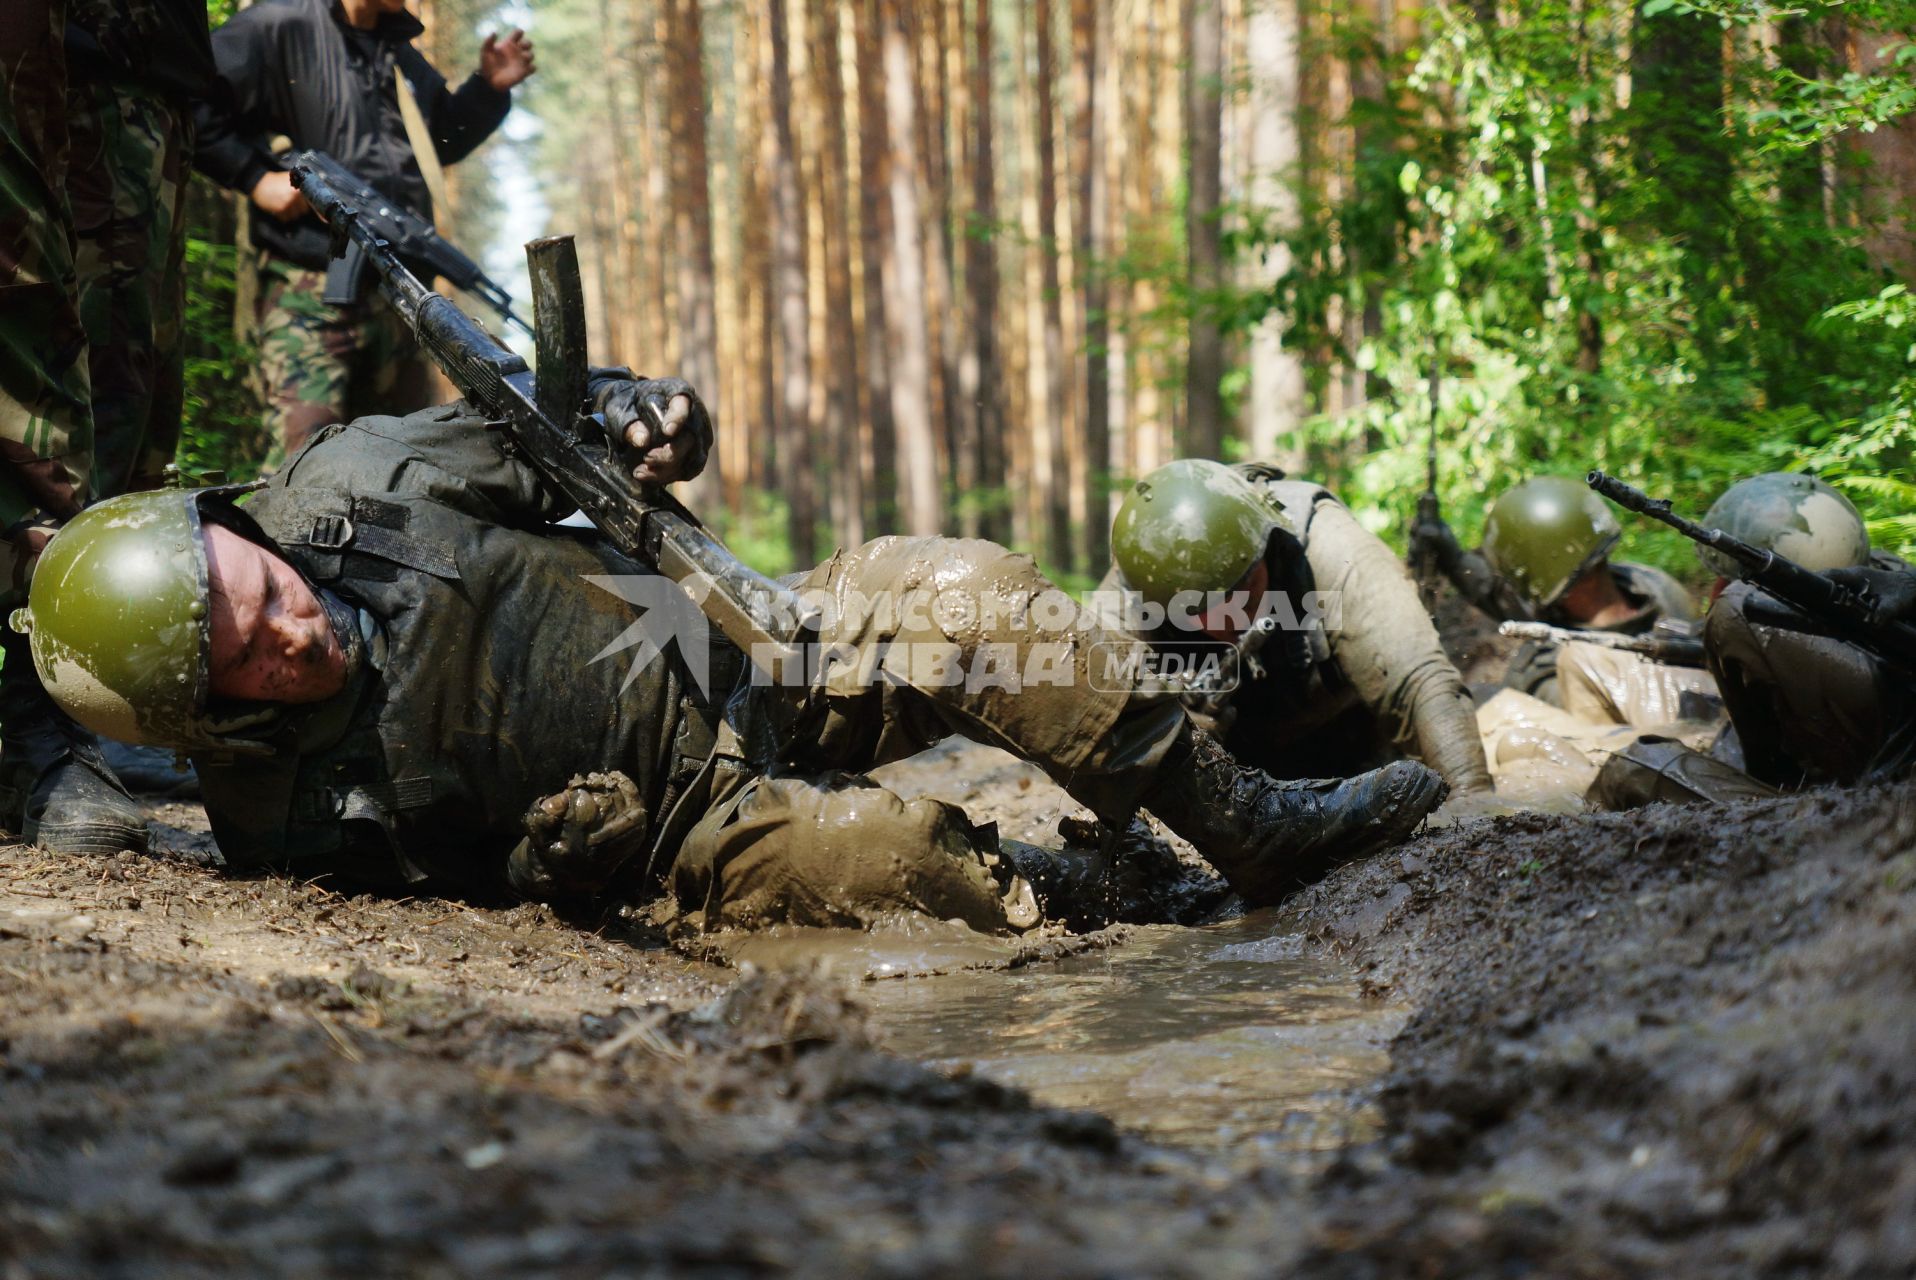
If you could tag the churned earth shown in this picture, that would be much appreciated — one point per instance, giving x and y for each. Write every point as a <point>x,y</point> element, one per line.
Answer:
<point>1672,1042</point>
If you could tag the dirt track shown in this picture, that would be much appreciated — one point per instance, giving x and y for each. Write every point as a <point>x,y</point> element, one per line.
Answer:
<point>1668,1042</point>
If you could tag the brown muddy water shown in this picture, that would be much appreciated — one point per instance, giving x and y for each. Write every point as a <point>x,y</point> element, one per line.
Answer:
<point>1234,1038</point>
<point>1237,1040</point>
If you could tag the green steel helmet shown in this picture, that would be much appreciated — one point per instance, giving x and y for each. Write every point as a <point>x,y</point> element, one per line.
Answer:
<point>1794,515</point>
<point>118,623</point>
<point>1544,534</point>
<point>1192,525</point>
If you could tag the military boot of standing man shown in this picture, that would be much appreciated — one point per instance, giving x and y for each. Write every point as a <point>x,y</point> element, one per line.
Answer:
<point>56,790</point>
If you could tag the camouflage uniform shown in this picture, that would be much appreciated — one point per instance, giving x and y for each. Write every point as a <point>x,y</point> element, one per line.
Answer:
<point>1330,698</point>
<point>46,426</point>
<point>131,148</point>
<point>96,135</point>
<point>1807,709</point>
<point>483,686</point>
<point>320,363</point>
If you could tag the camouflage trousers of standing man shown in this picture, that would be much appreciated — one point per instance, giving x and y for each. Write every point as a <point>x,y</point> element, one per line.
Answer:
<point>92,189</point>
<point>46,423</point>
<point>131,151</point>
<point>320,364</point>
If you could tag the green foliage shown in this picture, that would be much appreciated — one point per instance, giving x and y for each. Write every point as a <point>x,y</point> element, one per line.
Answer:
<point>758,533</point>
<point>221,421</point>
<point>1650,283</point>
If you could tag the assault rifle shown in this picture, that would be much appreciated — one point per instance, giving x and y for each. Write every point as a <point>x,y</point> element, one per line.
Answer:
<point>573,450</point>
<point>1677,651</point>
<point>1807,601</point>
<point>405,232</point>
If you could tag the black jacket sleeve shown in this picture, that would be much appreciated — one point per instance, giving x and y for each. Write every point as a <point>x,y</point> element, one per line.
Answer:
<point>232,127</point>
<point>459,120</point>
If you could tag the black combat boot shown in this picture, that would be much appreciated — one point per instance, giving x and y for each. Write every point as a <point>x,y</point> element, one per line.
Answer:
<point>56,790</point>
<point>1270,838</point>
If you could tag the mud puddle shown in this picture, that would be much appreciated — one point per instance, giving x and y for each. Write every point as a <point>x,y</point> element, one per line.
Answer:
<point>1235,1040</point>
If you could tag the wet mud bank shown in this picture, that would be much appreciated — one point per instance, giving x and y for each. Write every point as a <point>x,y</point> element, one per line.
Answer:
<point>1670,1042</point>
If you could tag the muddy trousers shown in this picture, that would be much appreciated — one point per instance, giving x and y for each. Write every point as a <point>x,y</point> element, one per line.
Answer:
<point>922,638</point>
<point>1806,709</point>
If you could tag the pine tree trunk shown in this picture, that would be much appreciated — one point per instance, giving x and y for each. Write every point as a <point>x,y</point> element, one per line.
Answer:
<point>874,221</point>
<point>1089,34</point>
<point>1056,425</point>
<point>1204,374</point>
<point>1277,374</point>
<point>905,311</point>
<point>692,215</point>
<point>841,395</point>
<point>790,300</point>
<point>984,390</point>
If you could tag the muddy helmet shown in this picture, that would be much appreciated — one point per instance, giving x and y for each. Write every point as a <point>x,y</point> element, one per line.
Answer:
<point>1192,525</point>
<point>1544,534</point>
<point>1794,515</point>
<point>118,623</point>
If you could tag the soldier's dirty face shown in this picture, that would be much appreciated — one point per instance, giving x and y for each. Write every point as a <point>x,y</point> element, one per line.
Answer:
<point>271,641</point>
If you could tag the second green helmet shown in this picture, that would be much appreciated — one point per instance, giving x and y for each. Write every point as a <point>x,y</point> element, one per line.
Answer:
<point>1797,516</point>
<point>1544,534</point>
<point>1191,525</point>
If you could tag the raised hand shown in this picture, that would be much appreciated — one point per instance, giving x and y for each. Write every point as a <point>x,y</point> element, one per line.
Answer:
<point>504,63</point>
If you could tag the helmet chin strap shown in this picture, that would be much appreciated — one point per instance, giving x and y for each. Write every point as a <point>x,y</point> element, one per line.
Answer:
<point>344,620</point>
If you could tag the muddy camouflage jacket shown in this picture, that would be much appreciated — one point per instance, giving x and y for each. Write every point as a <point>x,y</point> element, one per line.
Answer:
<point>1347,694</point>
<point>480,689</point>
<point>296,68</point>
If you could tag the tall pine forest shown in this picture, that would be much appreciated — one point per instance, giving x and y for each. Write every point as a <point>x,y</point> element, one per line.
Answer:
<point>972,266</point>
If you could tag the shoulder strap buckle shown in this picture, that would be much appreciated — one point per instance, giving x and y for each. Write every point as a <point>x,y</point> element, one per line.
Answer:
<point>331,532</point>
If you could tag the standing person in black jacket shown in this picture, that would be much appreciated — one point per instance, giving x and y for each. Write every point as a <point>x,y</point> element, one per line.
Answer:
<point>321,72</point>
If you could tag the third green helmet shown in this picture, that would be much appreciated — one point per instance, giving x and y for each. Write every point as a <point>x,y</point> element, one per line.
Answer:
<point>1796,516</point>
<point>1544,534</point>
<point>1192,525</point>
<point>118,624</point>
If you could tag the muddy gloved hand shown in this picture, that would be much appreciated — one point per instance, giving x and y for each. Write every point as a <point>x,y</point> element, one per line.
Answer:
<point>1892,590</point>
<point>577,839</point>
<point>660,424</point>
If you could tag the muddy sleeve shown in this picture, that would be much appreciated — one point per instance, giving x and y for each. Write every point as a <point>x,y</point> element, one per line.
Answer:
<point>1385,644</point>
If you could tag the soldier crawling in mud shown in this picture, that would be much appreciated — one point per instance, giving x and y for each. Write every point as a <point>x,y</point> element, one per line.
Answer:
<point>1342,686</point>
<point>1546,558</point>
<point>1802,708</point>
<point>383,667</point>
<point>1805,708</point>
